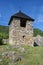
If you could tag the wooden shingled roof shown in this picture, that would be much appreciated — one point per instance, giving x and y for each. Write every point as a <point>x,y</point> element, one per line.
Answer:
<point>20,15</point>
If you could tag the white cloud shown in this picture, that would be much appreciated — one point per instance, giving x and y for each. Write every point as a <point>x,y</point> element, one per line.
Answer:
<point>40,18</point>
<point>40,15</point>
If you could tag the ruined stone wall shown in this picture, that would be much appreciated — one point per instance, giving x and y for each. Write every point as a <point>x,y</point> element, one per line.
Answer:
<point>20,35</point>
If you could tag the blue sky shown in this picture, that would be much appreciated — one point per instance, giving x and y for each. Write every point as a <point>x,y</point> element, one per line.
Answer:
<point>33,8</point>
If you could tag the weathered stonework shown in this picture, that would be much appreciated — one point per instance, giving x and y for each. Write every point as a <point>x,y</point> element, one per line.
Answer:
<point>20,35</point>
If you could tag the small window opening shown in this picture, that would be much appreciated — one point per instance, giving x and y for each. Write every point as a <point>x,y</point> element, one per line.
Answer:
<point>23,23</point>
<point>23,36</point>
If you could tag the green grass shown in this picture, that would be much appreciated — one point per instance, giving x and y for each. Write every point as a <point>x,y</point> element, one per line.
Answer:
<point>33,56</point>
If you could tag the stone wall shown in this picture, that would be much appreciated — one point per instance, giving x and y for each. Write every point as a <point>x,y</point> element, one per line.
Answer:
<point>5,41</point>
<point>38,41</point>
<point>21,35</point>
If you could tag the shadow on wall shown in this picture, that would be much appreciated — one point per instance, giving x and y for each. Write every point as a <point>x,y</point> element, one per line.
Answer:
<point>35,44</point>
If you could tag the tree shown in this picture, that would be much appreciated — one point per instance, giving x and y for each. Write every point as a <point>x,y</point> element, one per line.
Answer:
<point>1,37</point>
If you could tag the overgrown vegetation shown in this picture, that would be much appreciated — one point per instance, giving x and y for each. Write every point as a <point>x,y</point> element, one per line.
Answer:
<point>38,32</point>
<point>31,56</point>
<point>4,32</point>
<point>1,42</point>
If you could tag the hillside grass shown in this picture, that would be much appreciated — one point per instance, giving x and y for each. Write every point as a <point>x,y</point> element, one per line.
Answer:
<point>33,55</point>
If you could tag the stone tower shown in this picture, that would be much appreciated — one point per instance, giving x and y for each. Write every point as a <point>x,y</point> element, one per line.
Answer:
<point>21,29</point>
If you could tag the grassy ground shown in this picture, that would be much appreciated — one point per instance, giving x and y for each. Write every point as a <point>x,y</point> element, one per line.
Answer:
<point>33,56</point>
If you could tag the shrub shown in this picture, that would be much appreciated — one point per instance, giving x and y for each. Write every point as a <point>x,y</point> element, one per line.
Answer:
<point>1,42</point>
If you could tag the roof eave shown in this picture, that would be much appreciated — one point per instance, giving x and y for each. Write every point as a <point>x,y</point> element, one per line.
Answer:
<point>19,18</point>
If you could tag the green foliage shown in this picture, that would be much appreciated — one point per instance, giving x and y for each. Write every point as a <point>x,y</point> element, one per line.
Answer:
<point>38,32</point>
<point>1,42</point>
<point>4,32</point>
<point>1,37</point>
